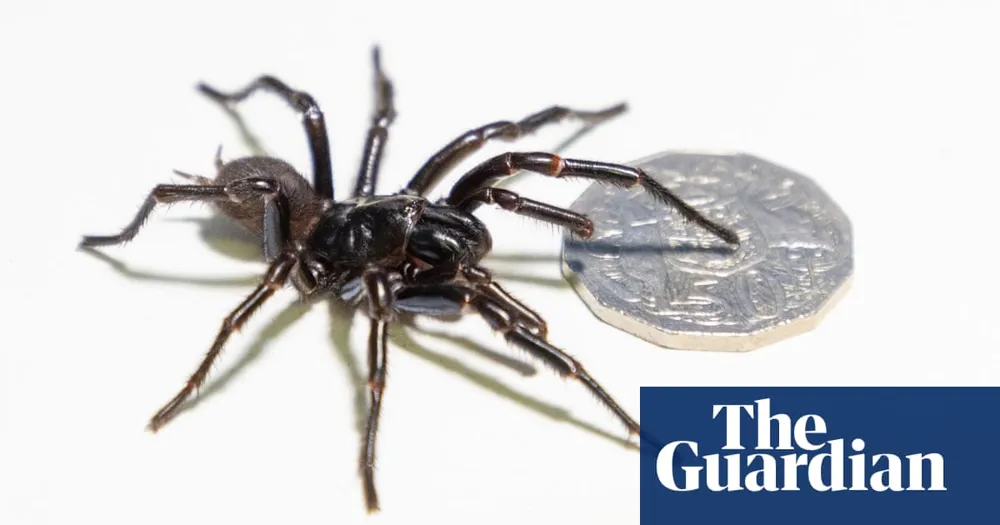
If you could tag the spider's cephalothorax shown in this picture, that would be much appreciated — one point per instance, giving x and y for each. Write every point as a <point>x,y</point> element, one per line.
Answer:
<point>396,253</point>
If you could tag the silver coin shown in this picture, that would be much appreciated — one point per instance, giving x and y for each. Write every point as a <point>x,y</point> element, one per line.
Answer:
<point>649,272</point>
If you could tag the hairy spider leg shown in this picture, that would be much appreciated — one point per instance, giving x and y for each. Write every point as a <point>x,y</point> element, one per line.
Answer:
<point>506,319</point>
<point>510,201</point>
<point>275,229</point>
<point>482,279</point>
<point>469,142</point>
<point>376,284</point>
<point>275,278</point>
<point>378,132</point>
<point>507,164</point>
<point>161,194</point>
<point>312,121</point>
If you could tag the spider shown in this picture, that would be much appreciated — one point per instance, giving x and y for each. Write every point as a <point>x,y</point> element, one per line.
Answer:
<point>392,254</point>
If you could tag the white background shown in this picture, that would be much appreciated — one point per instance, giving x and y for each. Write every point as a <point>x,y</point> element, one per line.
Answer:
<point>891,106</point>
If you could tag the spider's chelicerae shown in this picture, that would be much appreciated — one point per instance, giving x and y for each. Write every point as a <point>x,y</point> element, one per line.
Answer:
<point>399,253</point>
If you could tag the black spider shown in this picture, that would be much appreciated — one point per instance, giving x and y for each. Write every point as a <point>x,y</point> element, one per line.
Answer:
<point>396,253</point>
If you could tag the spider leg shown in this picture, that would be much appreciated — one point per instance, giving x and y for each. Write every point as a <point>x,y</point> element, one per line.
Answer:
<point>550,165</point>
<point>378,133</point>
<point>501,318</point>
<point>484,283</point>
<point>161,194</point>
<point>275,228</point>
<point>511,201</point>
<point>380,303</point>
<point>507,320</point>
<point>377,343</point>
<point>312,121</point>
<point>275,278</point>
<point>438,165</point>
<point>480,279</point>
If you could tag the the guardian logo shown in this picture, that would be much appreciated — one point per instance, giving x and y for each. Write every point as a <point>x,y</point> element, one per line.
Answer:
<point>789,455</point>
<point>819,455</point>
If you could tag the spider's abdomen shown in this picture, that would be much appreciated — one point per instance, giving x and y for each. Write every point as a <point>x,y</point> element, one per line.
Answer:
<point>446,236</point>
<point>303,203</point>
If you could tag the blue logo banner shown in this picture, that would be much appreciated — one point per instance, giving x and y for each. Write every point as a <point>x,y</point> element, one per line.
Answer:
<point>819,456</point>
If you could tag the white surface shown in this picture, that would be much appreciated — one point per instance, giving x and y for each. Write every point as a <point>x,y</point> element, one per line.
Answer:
<point>891,106</point>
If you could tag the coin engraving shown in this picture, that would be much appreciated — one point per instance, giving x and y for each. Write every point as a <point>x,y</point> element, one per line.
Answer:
<point>648,271</point>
